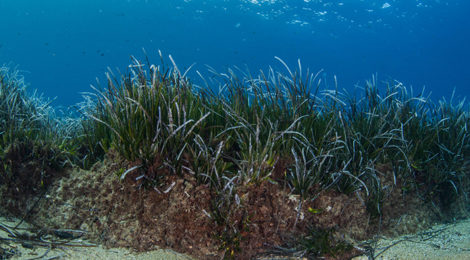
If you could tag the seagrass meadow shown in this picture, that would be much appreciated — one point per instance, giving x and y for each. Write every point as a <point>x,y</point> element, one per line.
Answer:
<point>242,166</point>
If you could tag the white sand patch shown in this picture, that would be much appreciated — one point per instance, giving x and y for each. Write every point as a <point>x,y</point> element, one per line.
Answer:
<point>441,242</point>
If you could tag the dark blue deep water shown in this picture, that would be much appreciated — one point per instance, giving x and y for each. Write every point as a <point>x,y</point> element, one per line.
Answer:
<point>63,46</point>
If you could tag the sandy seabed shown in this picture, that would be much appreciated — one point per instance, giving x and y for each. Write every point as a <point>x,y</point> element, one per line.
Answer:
<point>101,253</point>
<point>443,241</point>
<point>83,249</point>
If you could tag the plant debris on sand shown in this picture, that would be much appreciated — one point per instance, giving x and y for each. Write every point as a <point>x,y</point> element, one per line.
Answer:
<point>241,167</point>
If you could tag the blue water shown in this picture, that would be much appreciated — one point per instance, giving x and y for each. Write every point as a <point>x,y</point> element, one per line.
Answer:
<point>63,46</point>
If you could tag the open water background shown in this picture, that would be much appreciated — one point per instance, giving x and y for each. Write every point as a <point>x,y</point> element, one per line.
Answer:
<point>63,46</point>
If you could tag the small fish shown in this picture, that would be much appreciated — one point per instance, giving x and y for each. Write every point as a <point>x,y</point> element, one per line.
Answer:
<point>386,5</point>
<point>314,211</point>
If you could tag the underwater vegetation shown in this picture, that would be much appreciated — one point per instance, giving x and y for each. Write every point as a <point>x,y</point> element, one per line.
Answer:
<point>238,130</point>
<point>35,140</point>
